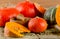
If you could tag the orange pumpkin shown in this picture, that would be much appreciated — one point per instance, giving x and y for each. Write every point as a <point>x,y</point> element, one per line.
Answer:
<point>57,16</point>
<point>40,8</point>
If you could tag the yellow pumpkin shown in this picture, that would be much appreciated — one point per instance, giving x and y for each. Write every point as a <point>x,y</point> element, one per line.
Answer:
<point>16,28</point>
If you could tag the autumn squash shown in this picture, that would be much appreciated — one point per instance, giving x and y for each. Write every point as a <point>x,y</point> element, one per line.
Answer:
<point>16,28</point>
<point>40,9</point>
<point>8,33</point>
<point>57,16</point>
<point>50,15</point>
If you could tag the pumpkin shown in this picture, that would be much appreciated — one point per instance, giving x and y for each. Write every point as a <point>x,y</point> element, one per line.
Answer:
<point>16,28</point>
<point>57,16</point>
<point>40,10</point>
<point>50,15</point>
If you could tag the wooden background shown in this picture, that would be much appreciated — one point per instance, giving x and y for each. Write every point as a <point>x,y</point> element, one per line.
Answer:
<point>45,3</point>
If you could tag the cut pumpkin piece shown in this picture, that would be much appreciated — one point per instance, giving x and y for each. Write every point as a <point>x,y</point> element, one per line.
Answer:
<point>8,33</point>
<point>57,16</point>
<point>16,28</point>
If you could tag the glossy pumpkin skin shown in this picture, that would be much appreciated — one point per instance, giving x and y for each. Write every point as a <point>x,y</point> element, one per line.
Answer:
<point>6,14</point>
<point>26,8</point>
<point>40,9</point>
<point>37,25</point>
<point>50,15</point>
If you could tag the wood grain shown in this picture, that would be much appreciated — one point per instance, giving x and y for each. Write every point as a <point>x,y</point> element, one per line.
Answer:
<point>45,3</point>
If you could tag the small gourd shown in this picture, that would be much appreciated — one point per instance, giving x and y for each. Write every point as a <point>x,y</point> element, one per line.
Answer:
<point>50,15</point>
